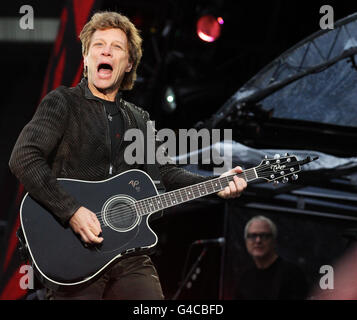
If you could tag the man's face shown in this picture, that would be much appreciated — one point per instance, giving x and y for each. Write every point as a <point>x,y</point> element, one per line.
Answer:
<point>260,242</point>
<point>107,59</point>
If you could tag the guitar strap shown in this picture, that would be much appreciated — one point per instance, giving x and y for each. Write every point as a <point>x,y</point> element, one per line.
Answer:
<point>151,169</point>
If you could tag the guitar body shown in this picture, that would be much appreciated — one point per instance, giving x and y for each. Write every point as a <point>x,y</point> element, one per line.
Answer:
<point>60,257</point>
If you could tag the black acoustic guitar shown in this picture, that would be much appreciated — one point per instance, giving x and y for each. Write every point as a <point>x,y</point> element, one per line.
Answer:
<point>123,205</point>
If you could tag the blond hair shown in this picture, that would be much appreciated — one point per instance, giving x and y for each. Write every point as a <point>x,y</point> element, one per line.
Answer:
<point>106,20</point>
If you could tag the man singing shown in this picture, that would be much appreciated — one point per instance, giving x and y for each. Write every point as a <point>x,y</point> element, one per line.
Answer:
<point>78,133</point>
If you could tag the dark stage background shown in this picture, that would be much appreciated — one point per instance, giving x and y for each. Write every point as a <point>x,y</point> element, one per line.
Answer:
<point>203,75</point>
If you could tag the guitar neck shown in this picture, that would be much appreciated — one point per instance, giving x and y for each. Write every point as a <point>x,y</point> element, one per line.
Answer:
<point>185,194</point>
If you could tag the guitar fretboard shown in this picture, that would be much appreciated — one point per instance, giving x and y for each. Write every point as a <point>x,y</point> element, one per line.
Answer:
<point>176,197</point>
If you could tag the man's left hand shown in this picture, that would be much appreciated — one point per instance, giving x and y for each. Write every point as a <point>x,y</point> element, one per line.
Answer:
<point>235,187</point>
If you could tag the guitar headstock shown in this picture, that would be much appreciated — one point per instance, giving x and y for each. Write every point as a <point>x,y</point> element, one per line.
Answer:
<point>280,168</point>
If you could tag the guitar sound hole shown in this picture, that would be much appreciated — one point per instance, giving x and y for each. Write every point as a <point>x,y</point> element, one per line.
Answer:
<point>120,214</point>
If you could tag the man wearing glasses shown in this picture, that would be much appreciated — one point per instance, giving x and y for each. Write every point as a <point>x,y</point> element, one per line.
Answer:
<point>270,277</point>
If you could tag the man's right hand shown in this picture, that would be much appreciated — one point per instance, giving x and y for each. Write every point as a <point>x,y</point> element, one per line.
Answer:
<point>85,223</point>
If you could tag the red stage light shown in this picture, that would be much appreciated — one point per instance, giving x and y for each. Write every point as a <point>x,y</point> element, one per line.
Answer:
<point>209,28</point>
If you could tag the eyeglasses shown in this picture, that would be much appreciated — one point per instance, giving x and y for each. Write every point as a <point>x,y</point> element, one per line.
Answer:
<point>263,236</point>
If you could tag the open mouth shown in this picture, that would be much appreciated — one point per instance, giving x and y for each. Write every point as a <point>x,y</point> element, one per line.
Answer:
<point>104,70</point>
<point>104,66</point>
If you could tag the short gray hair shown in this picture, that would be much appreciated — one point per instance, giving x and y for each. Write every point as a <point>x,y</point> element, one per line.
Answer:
<point>271,224</point>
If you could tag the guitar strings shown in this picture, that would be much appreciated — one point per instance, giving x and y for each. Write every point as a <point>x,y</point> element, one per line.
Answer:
<point>123,215</point>
<point>146,207</point>
<point>128,213</point>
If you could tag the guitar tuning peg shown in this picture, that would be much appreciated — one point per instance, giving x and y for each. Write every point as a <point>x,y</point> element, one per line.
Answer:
<point>294,177</point>
<point>287,155</point>
<point>265,157</point>
<point>275,183</point>
<point>276,156</point>
<point>285,180</point>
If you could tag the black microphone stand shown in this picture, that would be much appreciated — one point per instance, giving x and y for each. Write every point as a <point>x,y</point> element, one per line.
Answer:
<point>184,282</point>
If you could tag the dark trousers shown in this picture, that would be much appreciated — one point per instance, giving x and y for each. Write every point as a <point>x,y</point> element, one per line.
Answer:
<point>133,278</point>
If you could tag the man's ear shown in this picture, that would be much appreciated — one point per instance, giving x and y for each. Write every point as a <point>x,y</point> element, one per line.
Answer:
<point>129,66</point>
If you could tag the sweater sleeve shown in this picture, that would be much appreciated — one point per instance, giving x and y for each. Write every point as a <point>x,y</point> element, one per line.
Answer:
<point>175,177</point>
<point>30,158</point>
